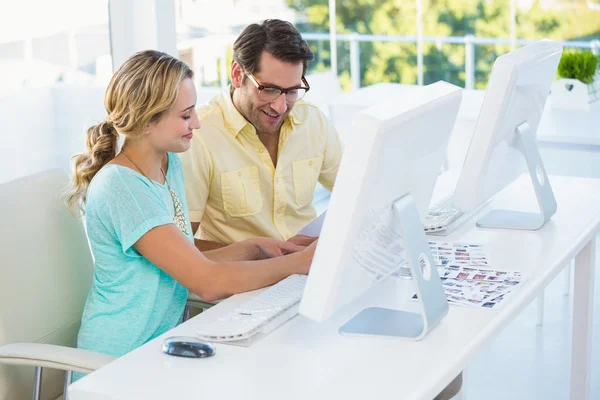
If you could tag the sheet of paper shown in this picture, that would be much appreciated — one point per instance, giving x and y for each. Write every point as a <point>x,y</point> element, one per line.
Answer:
<point>313,229</point>
<point>459,253</point>
<point>379,250</point>
<point>466,278</point>
<point>475,287</point>
<point>456,253</point>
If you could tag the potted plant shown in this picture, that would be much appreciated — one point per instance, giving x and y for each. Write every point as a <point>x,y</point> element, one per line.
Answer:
<point>578,86</point>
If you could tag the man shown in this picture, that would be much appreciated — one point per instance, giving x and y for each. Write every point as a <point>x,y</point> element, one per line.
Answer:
<point>254,163</point>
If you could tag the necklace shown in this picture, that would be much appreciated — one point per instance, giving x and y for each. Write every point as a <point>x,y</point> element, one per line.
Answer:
<point>178,215</point>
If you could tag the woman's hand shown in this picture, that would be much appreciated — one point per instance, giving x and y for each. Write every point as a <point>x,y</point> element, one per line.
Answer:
<point>265,247</point>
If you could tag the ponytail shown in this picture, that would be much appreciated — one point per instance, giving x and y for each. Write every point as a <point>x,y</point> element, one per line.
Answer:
<point>101,144</point>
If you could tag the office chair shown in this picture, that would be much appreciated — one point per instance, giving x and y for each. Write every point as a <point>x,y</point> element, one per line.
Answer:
<point>47,271</point>
<point>194,301</point>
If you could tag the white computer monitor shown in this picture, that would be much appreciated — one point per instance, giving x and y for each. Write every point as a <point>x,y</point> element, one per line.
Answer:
<point>505,136</point>
<point>383,187</point>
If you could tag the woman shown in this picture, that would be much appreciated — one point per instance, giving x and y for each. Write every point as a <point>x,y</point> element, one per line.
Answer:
<point>137,219</point>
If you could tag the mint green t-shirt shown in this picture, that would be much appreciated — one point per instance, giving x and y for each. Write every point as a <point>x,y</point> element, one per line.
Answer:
<point>131,300</point>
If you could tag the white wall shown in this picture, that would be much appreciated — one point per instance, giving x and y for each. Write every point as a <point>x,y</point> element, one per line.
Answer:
<point>76,108</point>
<point>27,131</point>
<point>44,127</point>
<point>137,25</point>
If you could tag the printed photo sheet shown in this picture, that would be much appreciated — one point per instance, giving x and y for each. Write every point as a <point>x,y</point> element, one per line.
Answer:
<point>464,270</point>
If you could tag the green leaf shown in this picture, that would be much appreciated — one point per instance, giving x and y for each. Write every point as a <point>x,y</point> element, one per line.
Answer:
<point>578,65</point>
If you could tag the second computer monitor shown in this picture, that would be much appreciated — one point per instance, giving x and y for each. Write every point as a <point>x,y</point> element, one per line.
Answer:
<point>505,135</point>
<point>396,153</point>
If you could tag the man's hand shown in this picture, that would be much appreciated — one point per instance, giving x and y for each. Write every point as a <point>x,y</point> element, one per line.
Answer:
<point>269,248</point>
<point>302,240</point>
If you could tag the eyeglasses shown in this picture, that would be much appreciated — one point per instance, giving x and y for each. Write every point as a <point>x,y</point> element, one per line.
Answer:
<point>270,94</point>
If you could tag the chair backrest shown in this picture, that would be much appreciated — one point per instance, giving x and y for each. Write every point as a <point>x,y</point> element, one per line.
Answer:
<point>46,271</point>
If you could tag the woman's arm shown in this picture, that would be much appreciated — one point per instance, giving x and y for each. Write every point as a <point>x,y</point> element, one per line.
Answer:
<point>167,248</point>
<point>239,251</point>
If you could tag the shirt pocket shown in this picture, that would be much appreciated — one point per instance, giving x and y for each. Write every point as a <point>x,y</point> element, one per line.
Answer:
<point>305,175</point>
<point>241,192</point>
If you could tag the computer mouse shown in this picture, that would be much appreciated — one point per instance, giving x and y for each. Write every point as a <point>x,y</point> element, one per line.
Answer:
<point>182,346</point>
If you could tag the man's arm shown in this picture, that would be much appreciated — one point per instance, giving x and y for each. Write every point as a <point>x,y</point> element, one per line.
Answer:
<point>331,157</point>
<point>204,245</point>
<point>258,248</point>
<point>198,170</point>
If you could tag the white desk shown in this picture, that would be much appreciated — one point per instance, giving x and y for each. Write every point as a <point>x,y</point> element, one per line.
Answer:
<point>569,139</point>
<point>306,360</point>
<point>558,126</point>
<point>344,108</point>
<point>571,127</point>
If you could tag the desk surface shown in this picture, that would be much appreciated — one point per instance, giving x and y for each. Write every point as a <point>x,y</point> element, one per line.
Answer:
<point>385,91</point>
<point>570,127</point>
<point>344,108</point>
<point>558,126</point>
<point>303,359</point>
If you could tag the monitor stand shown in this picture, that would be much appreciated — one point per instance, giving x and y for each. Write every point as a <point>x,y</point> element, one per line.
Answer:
<point>432,302</point>
<point>510,219</point>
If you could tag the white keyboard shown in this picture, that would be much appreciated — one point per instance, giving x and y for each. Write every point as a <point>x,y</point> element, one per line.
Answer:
<point>442,218</point>
<point>261,314</point>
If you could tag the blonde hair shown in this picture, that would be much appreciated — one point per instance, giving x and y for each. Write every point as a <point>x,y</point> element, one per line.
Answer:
<point>139,93</point>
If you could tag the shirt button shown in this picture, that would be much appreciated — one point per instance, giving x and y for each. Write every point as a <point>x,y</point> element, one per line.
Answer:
<point>310,162</point>
<point>261,151</point>
<point>240,173</point>
<point>277,180</point>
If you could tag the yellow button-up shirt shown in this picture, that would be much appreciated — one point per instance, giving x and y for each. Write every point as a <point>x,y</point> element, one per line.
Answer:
<point>232,187</point>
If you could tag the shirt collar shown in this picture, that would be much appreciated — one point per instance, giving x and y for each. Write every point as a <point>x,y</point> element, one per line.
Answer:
<point>236,122</point>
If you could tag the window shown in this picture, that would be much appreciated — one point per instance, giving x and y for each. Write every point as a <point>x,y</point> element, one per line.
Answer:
<point>206,30</point>
<point>573,20</point>
<point>55,63</point>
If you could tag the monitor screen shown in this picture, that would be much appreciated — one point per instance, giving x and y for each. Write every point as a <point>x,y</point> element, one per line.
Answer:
<point>517,91</point>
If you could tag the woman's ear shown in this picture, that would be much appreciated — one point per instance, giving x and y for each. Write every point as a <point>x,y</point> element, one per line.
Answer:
<point>148,129</point>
